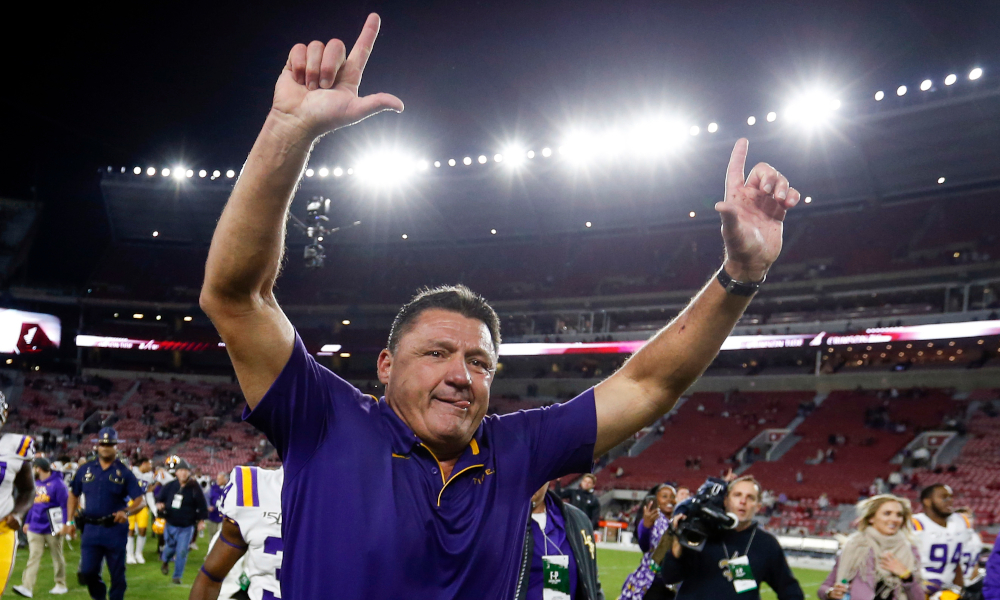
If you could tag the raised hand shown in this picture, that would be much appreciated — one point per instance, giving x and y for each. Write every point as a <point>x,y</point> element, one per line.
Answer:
<point>318,88</point>
<point>752,215</point>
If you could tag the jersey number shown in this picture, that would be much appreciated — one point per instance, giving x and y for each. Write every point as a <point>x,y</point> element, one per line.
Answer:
<point>273,545</point>
<point>3,470</point>
<point>939,555</point>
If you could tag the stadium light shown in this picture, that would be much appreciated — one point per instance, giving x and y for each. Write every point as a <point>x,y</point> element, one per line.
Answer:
<point>423,165</point>
<point>467,161</point>
<point>385,168</point>
<point>901,90</point>
<point>137,170</point>
<point>156,234</point>
<point>482,159</point>
<point>330,348</point>
<point>926,85</point>
<point>323,172</point>
<point>310,172</point>
<point>165,172</point>
<point>493,231</point>
<point>514,156</point>
<point>808,200</point>
<point>451,162</point>
<point>975,74</point>
<point>498,157</point>
<point>203,173</point>
<point>879,95</point>
<point>695,130</point>
<point>950,79</point>
<point>188,319</point>
<point>751,120</point>
<point>216,174</point>
<point>345,322</point>
<point>189,173</point>
<point>230,173</point>
<point>337,171</point>
<point>137,315</point>
<point>588,224</point>
<point>350,171</point>
<point>771,116</point>
<point>940,180</point>
<point>151,171</point>
<point>405,236</point>
<point>713,127</point>
<point>179,173</point>
<point>531,154</point>
<point>546,152</point>
<point>437,164</point>
<point>691,214</point>
<point>812,108</point>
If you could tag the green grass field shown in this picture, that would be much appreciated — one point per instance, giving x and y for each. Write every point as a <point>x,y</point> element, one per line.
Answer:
<point>146,581</point>
<point>615,565</point>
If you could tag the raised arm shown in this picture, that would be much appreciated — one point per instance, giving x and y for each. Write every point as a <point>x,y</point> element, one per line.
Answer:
<point>649,384</point>
<point>316,93</point>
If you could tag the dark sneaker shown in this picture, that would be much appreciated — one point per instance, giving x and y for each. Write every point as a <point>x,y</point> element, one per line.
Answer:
<point>165,568</point>
<point>177,580</point>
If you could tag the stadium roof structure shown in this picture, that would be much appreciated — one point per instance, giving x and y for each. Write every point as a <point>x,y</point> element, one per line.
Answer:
<point>931,142</point>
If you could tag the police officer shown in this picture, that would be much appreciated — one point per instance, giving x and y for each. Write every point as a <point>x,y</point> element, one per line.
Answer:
<point>106,486</point>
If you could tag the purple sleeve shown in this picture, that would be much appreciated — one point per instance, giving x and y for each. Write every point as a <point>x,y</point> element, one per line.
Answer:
<point>62,497</point>
<point>295,411</point>
<point>643,534</point>
<point>831,580</point>
<point>560,438</point>
<point>991,584</point>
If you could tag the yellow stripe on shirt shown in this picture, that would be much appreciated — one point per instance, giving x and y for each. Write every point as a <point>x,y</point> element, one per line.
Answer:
<point>247,486</point>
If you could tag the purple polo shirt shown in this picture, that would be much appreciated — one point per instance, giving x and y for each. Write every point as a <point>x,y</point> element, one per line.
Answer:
<point>552,542</point>
<point>366,510</point>
<point>49,493</point>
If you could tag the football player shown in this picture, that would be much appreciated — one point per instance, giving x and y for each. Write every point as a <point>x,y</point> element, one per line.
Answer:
<point>251,526</point>
<point>942,536</point>
<point>15,451</point>
<point>138,524</point>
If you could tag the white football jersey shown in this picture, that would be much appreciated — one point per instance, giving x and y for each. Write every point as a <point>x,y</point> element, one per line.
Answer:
<point>15,451</point>
<point>231,584</point>
<point>941,548</point>
<point>253,500</point>
<point>970,556</point>
<point>146,481</point>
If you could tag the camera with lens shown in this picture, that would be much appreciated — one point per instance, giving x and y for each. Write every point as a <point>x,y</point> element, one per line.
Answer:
<point>704,514</point>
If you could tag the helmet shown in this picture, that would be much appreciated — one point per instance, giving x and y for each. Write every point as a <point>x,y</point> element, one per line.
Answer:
<point>159,525</point>
<point>172,463</point>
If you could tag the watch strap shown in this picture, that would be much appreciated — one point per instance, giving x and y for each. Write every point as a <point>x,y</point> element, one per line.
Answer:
<point>738,288</point>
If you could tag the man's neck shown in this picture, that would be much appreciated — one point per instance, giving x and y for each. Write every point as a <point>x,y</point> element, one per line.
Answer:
<point>105,463</point>
<point>743,525</point>
<point>540,507</point>
<point>937,518</point>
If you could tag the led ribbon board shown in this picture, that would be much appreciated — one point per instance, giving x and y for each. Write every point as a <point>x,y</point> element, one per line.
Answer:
<point>120,343</point>
<point>28,332</point>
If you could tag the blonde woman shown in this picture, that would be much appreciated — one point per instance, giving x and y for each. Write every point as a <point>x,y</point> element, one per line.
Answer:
<point>880,561</point>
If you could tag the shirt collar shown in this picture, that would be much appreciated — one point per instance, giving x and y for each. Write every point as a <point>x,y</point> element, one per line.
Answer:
<point>404,440</point>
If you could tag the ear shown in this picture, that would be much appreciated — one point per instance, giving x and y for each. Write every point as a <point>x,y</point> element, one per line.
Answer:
<point>384,366</point>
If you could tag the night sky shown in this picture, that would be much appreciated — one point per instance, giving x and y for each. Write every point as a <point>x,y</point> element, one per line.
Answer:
<point>88,86</point>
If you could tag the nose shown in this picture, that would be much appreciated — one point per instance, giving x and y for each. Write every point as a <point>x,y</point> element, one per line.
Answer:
<point>458,372</point>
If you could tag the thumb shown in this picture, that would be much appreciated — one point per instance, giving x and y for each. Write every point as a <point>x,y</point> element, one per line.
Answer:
<point>364,107</point>
<point>728,212</point>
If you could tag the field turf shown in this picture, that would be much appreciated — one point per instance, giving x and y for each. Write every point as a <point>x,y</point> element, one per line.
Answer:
<point>615,565</point>
<point>146,581</point>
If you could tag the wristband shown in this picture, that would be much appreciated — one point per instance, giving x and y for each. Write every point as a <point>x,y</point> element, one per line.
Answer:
<point>738,288</point>
<point>71,523</point>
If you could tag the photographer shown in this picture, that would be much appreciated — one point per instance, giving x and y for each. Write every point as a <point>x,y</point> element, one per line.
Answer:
<point>733,562</point>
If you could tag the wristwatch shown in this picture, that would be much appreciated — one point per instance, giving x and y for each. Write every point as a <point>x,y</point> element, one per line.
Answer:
<point>738,288</point>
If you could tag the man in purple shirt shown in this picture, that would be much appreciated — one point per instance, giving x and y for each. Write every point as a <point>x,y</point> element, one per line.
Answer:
<point>214,500</point>
<point>50,493</point>
<point>442,490</point>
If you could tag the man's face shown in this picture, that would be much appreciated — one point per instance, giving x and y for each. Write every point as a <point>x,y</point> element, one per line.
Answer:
<point>146,466</point>
<point>941,501</point>
<point>40,474</point>
<point>587,484</point>
<point>107,452</point>
<point>183,475</point>
<point>438,379</point>
<point>743,500</point>
<point>221,479</point>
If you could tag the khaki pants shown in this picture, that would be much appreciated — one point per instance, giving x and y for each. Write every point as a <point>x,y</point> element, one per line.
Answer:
<point>210,529</point>
<point>36,548</point>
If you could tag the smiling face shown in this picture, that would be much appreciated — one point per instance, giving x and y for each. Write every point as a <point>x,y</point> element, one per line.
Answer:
<point>888,518</point>
<point>665,500</point>
<point>438,379</point>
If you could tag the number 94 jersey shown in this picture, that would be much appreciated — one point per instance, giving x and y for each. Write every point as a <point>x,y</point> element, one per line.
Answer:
<point>941,548</point>
<point>252,499</point>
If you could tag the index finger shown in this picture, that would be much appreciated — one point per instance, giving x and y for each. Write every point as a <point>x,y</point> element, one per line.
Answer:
<point>737,163</point>
<point>362,49</point>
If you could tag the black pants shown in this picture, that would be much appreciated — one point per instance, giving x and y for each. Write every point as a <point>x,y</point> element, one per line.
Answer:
<point>658,591</point>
